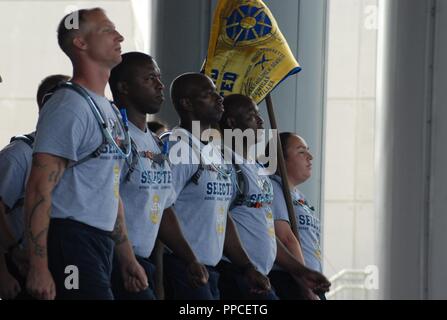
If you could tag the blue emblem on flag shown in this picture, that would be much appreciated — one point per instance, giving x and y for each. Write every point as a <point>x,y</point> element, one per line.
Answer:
<point>248,23</point>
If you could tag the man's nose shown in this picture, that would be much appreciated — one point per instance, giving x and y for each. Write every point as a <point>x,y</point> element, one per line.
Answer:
<point>120,38</point>
<point>160,83</point>
<point>219,97</point>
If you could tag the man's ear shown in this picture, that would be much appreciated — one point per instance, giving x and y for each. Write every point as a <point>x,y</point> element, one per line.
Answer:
<point>122,87</point>
<point>79,43</point>
<point>186,104</point>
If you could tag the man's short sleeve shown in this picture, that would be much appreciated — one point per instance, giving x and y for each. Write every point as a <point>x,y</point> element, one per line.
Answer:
<point>181,174</point>
<point>171,198</point>
<point>12,178</point>
<point>62,125</point>
<point>279,206</point>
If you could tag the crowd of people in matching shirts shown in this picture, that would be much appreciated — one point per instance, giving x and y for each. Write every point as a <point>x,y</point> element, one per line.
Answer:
<point>93,188</point>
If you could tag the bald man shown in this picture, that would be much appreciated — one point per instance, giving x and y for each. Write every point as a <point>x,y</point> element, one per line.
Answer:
<point>204,188</point>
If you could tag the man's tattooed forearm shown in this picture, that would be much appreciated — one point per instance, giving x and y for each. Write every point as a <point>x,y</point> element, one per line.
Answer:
<point>35,240</point>
<point>55,175</point>
<point>34,210</point>
<point>38,249</point>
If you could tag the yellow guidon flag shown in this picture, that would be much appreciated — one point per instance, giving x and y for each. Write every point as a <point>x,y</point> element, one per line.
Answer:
<point>247,52</point>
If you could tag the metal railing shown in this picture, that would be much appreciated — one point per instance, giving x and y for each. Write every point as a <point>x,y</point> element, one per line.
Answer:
<point>354,284</point>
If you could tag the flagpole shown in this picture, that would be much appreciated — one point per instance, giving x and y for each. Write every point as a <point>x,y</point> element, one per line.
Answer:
<point>282,168</point>
<point>157,254</point>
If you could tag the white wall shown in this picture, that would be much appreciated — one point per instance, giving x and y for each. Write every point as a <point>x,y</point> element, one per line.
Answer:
<point>349,236</point>
<point>29,52</point>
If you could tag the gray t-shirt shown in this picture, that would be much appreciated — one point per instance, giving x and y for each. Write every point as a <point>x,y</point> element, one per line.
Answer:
<point>254,218</point>
<point>308,222</point>
<point>145,192</point>
<point>67,128</point>
<point>15,167</point>
<point>202,208</point>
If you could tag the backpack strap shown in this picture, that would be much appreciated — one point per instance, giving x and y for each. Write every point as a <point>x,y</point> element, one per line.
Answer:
<point>196,176</point>
<point>157,158</point>
<point>157,140</point>
<point>100,117</point>
<point>241,198</point>
<point>133,161</point>
<point>164,139</point>
<point>82,92</point>
<point>27,138</point>
<point>94,154</point>
<point>239,182</point>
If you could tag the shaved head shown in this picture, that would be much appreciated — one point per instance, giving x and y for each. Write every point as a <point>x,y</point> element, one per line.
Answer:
<point>187,85</point>
<point>66,33</point>
<point>234,105</point>
<point>47,86</point>
<point>240,112</point>
<point>126,69</point>
<point>195,97</point>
